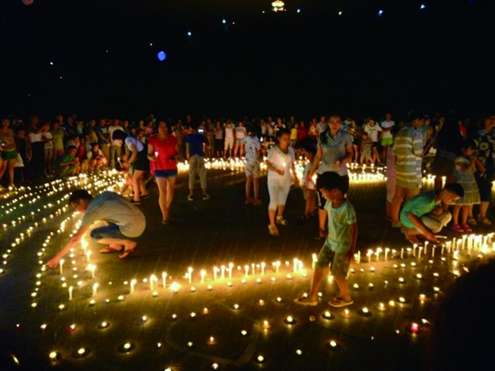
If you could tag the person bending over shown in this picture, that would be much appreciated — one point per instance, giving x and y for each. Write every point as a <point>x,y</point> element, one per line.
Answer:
<point>124,223</point>
<point>340,244</point>
<point>427,213</point>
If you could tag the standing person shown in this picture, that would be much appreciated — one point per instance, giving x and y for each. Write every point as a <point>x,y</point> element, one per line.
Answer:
<point>373,130</point>
<point>162,152</point>
<point>253,150</point>
<point>302,132</point>
<point>293,134</point>
<point>465,167</point>
<point>37,145</point>
<point>387,138</point>
<point>139,164</point>
<point>280,162</point>
<point>340,244</point>
<point>125,223</point>
<point>8,151</point>
<point>195,149</point>
<point>58,140</point>
<point>22,147</point>
<point>448,142</point>
<point>116,144</point>
<point>322,125</point>
<point>219,139</point>
<point>333,153</point>
<point>485,146</point>
<point>229,139</point>
<point>391,182</point>
<point>309,186</point>
<point>408,150</point>
<point>240,134</point>
<point>48,148</point>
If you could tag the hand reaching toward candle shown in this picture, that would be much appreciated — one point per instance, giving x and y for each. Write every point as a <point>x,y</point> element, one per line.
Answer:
<point>53,262</point>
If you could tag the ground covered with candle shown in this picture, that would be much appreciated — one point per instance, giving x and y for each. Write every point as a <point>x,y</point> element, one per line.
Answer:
<point>212,290</point>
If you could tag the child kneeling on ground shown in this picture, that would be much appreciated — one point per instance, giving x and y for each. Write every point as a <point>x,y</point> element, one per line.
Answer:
<point>427,213</point>
<point>340,244</point>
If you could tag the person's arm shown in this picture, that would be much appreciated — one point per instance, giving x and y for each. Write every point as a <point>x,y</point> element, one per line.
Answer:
<point>296,179</point>
<point>354,236</point>
<point>316,162</point>
<point>134,153</point>
<point>479,166</point>
<point>349,154</point>
<point>422,228</point>
<point>53,262</point>
<point>151,153</point>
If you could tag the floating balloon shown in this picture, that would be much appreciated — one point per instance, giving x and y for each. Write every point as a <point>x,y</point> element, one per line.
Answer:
<point>28,2</point>
<point>161,56</point>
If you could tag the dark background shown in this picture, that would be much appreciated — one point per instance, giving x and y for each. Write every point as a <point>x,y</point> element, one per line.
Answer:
<point>305,64</point>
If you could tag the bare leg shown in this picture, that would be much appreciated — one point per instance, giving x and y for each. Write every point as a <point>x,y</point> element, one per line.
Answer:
<point>280,211</point>
<point>343,288</point>
<point>455,214</point>
<point>11,171</point>
<point>249,179</point>
<point>162,197</point>
<point>256,186</point>
<point>465,214</point>
<point>170,196</point>
<point>272,215</point>
<point>484,209</point>
<point>396,204</point>
<point>129,246</point>
<point>318,276</point>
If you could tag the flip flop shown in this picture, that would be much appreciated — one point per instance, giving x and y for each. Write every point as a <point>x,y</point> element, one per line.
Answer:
<point>107,250</point>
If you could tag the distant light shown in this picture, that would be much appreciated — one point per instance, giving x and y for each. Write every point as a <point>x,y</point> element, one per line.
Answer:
<point>51,63</point>
<point>422,6</point>
<point>60,77</point>
<point>224,21</point>
<point>161,55</point>
<point>380,12</point>
<point>189,33</point>
<point>150,44</point>
<point>340,12</point>
<point>298,10</point>
<point>107,51</point>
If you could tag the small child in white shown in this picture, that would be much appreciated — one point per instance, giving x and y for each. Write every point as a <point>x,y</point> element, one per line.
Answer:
<point>252,147</point>
<point>340,244</point>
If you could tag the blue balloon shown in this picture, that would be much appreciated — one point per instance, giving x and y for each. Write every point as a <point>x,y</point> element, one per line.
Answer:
<point>161,55</point>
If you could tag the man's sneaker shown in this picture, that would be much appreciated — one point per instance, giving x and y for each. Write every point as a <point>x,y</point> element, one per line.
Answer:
<point>190,198</point>
<point>206,196</point>
<point>306,301</point>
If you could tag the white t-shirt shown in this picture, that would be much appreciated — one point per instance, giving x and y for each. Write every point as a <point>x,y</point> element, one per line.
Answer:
<point>35,137</point>
<point>253,146</point>
<point>387,125</point>
<point>281,161</point>
<point>372,132</point>
<point>240,132</point>
<point>49,140</point>
<point>229,132</point>
<point>133,141</point>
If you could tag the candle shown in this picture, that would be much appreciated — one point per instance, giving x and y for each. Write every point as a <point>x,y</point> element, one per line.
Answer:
<point>222,272</point>
<point>202,274</point>
<point>215,272</point>
<point>71,288</point>
<point>231,267</point>
<point>95,288</point>
<point>164,279</point>
<point>246,270</point>
<point>153,282</point>
<point>402,253</point>
<point>189,274</point>
<point>61,265</point>
<point>133,284</point>
<point>92,269</point>
<point>262,268</point>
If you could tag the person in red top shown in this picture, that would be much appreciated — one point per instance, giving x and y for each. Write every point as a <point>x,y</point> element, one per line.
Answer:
<point>302,132</point>
<point>162,152</point>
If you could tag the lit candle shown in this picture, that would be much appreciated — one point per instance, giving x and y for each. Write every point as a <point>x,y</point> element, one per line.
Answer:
<point>246,270</point>
<point>189,274</point>
<point>164,279</point>
<point>71,288</point>
<point>202,274</point>
<point>95,288</point>
<point>61,265</point>
<point>215,272</point>
<point>133,284</point>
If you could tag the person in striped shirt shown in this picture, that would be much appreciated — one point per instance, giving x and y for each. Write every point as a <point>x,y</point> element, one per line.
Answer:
<point>408,151</point>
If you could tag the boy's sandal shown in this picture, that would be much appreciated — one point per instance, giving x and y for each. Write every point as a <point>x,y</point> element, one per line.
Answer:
<point>305,300</point>
<point>273,231</point>
<point>107,250</point>
<point>339,302</point>
<point>486,222</point>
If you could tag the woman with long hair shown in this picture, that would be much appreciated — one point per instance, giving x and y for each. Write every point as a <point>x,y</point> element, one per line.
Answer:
<point>162,152</point>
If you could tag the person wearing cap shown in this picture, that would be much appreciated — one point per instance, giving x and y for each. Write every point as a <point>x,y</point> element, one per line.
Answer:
<point>408,151</point>
<point>427,213</point>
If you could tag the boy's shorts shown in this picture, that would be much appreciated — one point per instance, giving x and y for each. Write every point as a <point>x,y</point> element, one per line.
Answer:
<point>339,264</point>
<point>387,141</point>
<point>252,169</point>
<point>108,231</point>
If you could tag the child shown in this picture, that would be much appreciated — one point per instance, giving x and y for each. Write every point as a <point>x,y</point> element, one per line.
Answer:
<point>340,244</point>
<point>465,167</point>
<point>253,147</point>
<point>280,163</point>
<point>309,187</point>
<point>69,164</point>
<point>373,130</point>
<point>390,157</point>
<point>426,214</point>
<point>366,148</point>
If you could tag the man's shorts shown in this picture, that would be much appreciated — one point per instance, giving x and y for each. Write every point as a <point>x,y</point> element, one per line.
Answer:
<point>387,141</point>
<point>339,263</point>
<point>9,155</point>
<point>252,169</point>
<point>108,231</point>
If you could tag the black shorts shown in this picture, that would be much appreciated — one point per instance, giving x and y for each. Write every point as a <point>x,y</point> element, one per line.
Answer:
<point>485,188</point>
<point>319,196</point>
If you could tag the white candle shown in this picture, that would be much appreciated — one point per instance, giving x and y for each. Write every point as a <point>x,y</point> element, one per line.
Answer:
<point>189,271</point>
<point>262,268</point>
<point>202,274</point>
<point>71,288</point>
<point>246,270</point>
<point>222,272</point>
<point>95,288</point>
<point>61,265</point>
<point>164,279</point>
<point>215,271</point>
<point>133,284</point>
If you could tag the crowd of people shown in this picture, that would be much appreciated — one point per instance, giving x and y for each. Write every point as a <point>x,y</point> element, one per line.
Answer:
<point>460,155</point>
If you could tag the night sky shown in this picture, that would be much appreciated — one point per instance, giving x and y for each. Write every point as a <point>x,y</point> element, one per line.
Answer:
<point>308,63</point>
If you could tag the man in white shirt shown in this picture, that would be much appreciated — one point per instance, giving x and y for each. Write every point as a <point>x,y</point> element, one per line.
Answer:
<point>116,145</point>
<point>229,139</point>
<point>387,137</point>
<point>373,130</point>
<point>253,149</point>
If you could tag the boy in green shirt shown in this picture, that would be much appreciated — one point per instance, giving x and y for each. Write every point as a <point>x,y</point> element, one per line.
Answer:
<point>426,214</point>
<point>340,244</point>
<point>69,165</point>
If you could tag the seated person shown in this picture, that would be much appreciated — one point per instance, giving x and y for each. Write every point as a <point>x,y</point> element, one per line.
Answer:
<point>427,213</point>
<point>69,165</point>
<point>125,222</point>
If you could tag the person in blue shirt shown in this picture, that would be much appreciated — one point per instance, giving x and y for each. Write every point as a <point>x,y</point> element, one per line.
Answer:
<point>427,213</point>
<point>195,152</point>
<point>340,244</point>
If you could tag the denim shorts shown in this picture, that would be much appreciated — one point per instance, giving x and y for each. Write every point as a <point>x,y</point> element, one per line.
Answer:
<point>108,231</point>
<point>165,173</point>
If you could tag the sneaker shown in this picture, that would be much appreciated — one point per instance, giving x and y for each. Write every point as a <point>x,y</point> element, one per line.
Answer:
<point>457,228</point>
<point>273,230</point>
<point>340,302</point>
<point>190,198</point>
<point>281,221</point>
<point>206,196</point>
<point>306,301</point>
<point>466,228</point>
<point>472,222</point>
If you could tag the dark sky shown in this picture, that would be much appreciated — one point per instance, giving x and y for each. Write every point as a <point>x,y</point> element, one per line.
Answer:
<point>305,64</point>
